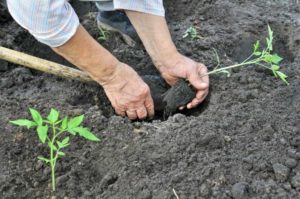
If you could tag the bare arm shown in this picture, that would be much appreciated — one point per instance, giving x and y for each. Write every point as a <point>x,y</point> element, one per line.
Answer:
<point>127,92</point>
<point>84,52</point>
<point>154,33</point>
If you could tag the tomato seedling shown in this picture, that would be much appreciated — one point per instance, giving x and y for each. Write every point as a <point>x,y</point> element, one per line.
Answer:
<point>192,33</point>
<point>262,58</point>
<point>58,137</point>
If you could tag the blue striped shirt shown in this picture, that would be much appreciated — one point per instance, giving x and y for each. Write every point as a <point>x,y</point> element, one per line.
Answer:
<point>54,22</point>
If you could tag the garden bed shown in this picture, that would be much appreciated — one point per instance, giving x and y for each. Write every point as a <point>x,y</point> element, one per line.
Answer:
<point>242,142</point>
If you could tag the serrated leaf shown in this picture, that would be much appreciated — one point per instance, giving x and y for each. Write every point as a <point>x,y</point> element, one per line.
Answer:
<point>43,159</point>
<point>42,133</point>
<point>64,123</point>
<point>23,122</point>
<point>60,153</point>
<point>53,115</point>
<point>66,140</point>
<point>59,144</point>
<point>275,67</point>
<point>52,146</point>
<point>282,76</point>
<point>36,116</point>
<point>64,143</point>
<point>256,46</point>
<point>84,132</point>
<point>75,122</point>
<point>276,59</point>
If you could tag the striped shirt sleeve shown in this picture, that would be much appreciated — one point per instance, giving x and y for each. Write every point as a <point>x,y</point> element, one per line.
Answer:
<point>52,22</point>
<point>154,7</point>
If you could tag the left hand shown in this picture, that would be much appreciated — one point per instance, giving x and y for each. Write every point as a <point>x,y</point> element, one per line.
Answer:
<point>179,66</point>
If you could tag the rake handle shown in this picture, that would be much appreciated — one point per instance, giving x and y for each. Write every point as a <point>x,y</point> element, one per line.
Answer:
<point>43,65</point>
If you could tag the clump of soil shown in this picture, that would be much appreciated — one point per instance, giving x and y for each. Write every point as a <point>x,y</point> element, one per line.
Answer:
<point>242,142</point>
<point>168,99</point>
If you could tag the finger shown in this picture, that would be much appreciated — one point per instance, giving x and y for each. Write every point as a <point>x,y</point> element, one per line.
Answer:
<point>142,113</point>
<point>196,80</point>
<point>149,105</point>
<point>131,114</point>
<point>202,73</point>
<point>181,108</point>
<point>121,112</point>
<point>201,94</point>
<point>196,101</point>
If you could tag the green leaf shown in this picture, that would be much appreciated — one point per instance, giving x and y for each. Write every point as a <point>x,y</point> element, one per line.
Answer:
<point>282,76</point>
<point>60,153</point>
<point>276,59</point>
<point>52,146</point>
<point>42,133</point>
<point>66,140</point>
<point>53,115</point>
<point>75,122</point>
<point>256,46</point>
<point>270,31</point>
<point>63,143</point>
<point>59,144</point>
<point>36,116</point>
<point>23,122</point>
<point>270,39</point>
<point>257,53</point>
<point>43,159</point>
<point>272,58</point>
<point>84,132</point>
<point>64,123</point>
<point>275,67</point>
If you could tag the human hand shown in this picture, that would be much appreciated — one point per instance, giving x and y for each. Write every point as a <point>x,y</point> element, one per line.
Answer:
<point>129,94</point>
<point>179,66</point>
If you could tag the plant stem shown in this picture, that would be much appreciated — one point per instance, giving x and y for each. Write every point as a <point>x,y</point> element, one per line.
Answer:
<point>230,67</point>
<point>244,63</point>
<point>52,159</point>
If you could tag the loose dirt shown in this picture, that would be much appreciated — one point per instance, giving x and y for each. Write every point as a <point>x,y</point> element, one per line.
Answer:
<point>242,142</point>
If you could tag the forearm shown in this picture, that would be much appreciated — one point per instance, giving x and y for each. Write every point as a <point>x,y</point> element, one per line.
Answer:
<point>155,35</point>
<point>87,54</point>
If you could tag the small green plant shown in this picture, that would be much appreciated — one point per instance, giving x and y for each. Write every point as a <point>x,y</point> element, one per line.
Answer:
<point>103,34</point>
<point>192,33</point>
<point>262,58</point>
<point>58,137</point>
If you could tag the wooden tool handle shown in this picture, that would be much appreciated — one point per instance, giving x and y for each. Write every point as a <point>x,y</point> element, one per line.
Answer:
<point>43,65</point>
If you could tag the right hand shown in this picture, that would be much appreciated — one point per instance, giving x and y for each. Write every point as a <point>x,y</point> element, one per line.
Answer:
<point>129,95</point>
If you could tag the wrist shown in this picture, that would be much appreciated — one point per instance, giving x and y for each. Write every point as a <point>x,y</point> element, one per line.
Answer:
<point>104,74</point>
<point>167,59</point>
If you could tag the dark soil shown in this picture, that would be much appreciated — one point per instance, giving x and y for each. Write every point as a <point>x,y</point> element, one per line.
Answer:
<point>242,142</point>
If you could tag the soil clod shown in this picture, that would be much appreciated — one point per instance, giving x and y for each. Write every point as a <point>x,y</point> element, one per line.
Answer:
<point>169,99</point>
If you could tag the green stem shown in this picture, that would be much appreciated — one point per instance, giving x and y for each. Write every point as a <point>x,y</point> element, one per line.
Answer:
<point>231,67</point>
<point>248,58</point>
<point>53,159</point>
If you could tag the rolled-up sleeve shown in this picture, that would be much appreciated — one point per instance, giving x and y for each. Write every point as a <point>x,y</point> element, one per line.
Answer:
<point>154,7</point>
<point>52,22</point>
